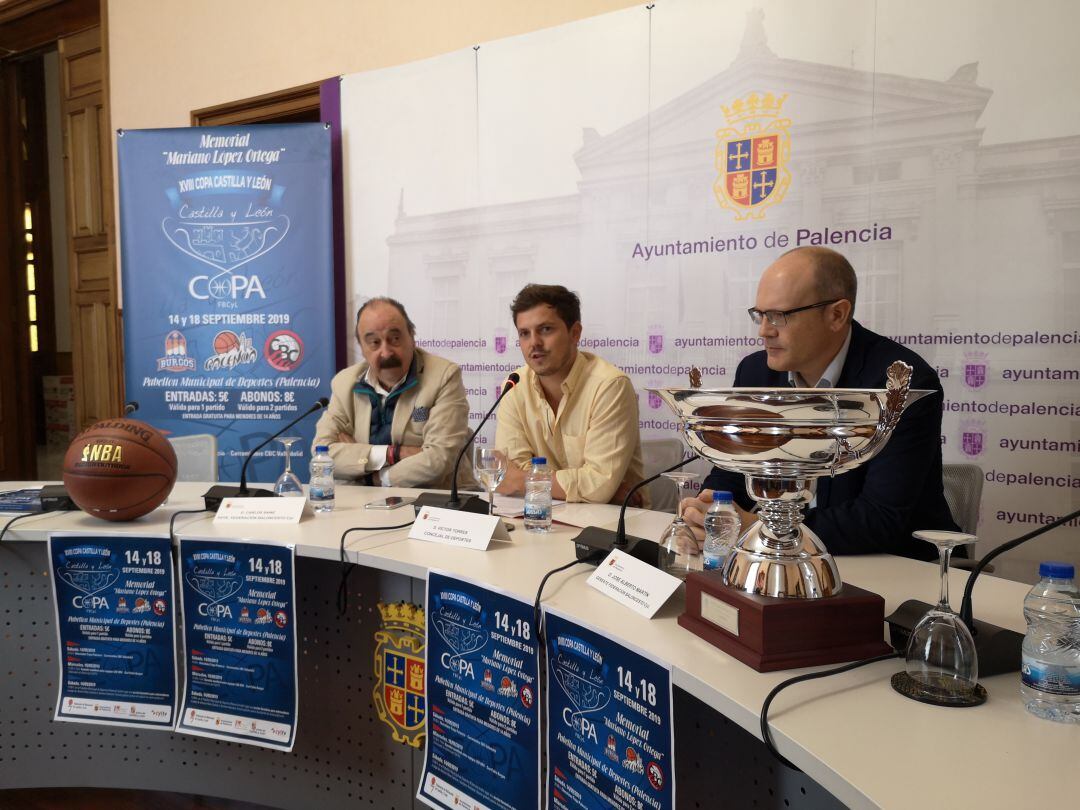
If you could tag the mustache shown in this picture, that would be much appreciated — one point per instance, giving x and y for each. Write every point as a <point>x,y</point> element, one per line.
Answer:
<point>390,362</point>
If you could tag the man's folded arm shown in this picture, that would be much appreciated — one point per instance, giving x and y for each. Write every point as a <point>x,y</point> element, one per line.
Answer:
<point>611,437</point>
<point>445,434</point>
<point>350,458</point>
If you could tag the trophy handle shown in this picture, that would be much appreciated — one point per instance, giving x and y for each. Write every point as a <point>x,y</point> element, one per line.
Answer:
<point>897,385</point>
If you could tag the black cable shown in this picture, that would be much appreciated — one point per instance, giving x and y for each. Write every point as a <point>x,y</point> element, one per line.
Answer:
<point>7,525</point>
<point>767,738</point>
<point>592,559</point>
<point>172,521</point>
<point>965,604</point>
<point>347,567</point>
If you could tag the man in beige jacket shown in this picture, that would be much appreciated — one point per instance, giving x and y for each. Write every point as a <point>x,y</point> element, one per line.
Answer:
<point>400,417</point>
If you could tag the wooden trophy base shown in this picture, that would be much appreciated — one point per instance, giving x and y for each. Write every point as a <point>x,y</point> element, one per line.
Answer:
<point>769,633</point>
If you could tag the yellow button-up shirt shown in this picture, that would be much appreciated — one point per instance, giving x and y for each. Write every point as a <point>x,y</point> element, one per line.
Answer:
<point>591,442</point>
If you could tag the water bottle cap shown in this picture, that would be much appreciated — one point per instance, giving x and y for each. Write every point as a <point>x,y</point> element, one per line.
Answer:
<point>539,460</point>
<point>1057,570</point>
<point>322,448</point>
<point>721,496</point>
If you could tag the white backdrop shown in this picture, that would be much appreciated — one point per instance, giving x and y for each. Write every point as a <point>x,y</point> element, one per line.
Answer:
<point>939,144</point>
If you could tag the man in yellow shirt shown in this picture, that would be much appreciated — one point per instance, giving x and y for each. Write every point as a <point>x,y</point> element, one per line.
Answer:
<point>571,407</point>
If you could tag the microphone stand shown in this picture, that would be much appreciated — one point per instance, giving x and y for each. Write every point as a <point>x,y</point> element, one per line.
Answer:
<point>997,649</point>
<point>473,503</point>
<point>593,538</point>
<point>213,497</point>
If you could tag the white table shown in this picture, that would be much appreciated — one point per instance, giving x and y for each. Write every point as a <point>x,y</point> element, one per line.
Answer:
<point>851,733</point>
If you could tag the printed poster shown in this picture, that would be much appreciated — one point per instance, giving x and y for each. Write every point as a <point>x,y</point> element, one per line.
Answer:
<point>239,613</point>
<point>116,632</point>
<point>483,673</point>
<point>610,737</point>
<point>228,283</point>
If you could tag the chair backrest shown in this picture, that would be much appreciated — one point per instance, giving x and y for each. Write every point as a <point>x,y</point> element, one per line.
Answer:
<point>963,492</point>
<point>196,457</point>
<point>658,454</point>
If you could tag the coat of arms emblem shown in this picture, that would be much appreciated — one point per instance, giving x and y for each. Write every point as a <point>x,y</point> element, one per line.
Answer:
<point>399,671</point>
<point>752,155</point>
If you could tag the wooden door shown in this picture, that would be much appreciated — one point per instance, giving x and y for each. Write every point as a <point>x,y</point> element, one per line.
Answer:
<point>95,323</point>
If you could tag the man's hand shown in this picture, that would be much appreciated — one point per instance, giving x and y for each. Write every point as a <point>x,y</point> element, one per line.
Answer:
<point>694,510</point>
<point>408,450</point>
<point>346,438</point>
<point>636,500</point>
<point>513,482</point>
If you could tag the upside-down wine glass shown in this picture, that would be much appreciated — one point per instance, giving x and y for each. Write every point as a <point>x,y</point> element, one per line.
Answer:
<point>941,666</point>
<point>490,467</point>
<point>287,483</point>
<point>680,553</point>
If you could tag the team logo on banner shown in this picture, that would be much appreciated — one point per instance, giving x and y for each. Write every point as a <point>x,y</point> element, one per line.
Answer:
<point>231,350</point>
<point>176,357</point>
<point>752,154</point>
<point>284,350</point>
<point>399,671</point>
<point>972,437</point>
<point>975,369</point>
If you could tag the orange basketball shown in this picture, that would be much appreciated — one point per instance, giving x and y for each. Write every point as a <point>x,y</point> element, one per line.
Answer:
<point>226,342</point>
<point>119,469</point>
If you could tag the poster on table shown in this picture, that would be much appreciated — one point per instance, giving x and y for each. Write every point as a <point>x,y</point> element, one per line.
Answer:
<point>483,672</point>
<point>610,740</point>
<point>116,629</point>
<point>238,601</point>
<point>228,283</point>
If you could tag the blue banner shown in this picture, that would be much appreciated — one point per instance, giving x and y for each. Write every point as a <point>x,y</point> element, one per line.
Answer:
<point>228,284</point>
<point>483,672</point>
<point>610,740</point>
<point>116,630</point>
<point>239,642</point>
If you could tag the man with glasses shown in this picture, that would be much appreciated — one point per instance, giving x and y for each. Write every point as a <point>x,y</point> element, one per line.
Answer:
<point>804,311</point>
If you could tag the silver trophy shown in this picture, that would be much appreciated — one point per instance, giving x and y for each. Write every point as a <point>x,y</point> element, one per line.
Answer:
<point>783,440</point>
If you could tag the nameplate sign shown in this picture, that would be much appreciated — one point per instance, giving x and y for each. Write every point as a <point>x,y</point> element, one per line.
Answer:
<point>453,528</point>
<point>260,510</point>
<point>633,583</point>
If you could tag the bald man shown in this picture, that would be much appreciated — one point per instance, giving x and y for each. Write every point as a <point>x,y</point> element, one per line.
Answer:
<point>803,310</point>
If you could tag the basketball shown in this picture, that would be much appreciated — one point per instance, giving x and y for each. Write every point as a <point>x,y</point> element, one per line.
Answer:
<point>119,469</point>
<point>226,342</point>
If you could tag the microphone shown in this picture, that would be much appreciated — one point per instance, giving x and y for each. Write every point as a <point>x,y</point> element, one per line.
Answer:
<point>593,538</point>
<point>996,648</point>
<point>473,503</point>
<point>130,407</point>
<point>214,496</point>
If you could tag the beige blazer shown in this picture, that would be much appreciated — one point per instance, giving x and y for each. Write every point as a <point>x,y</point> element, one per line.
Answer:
<point>434,415</point>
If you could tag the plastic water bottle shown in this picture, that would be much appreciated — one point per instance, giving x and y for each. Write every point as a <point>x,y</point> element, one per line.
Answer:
<point>538,497</point>
<point>1050,672</point>
<point>321,487</point>
<point>722,528</point>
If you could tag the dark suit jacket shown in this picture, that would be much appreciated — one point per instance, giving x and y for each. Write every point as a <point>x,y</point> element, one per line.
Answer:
<point>874,508</point>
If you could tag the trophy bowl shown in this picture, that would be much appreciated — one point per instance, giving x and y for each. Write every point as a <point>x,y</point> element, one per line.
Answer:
<point>783,440</point>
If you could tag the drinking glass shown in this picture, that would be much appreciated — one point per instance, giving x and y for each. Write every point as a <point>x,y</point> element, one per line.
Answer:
<point>490,467</point>
<point>287,483</point>
<point>941,665</point>
<point>680,552</point>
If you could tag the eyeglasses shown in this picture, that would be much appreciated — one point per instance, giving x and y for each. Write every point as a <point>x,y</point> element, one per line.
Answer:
<point>778,317</point>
